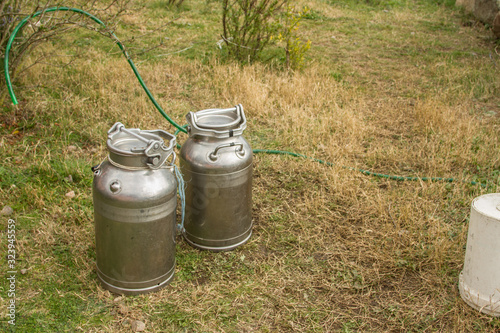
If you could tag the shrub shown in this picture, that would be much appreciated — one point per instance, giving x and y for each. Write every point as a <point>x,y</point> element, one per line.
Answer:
<point>46,27</point>
<point>294,47</point>
<point>9,10</point>
<point>248,26</point>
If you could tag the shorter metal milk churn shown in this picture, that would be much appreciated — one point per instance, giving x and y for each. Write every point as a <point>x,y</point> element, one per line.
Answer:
<point>134,210</point>
<point>216,162</point>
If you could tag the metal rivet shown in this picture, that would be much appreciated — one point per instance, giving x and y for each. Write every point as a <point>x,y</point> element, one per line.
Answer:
<point>213,157</point>
<point>115,187</point>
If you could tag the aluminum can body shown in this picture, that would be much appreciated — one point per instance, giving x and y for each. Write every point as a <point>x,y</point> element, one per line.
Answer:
<point>218,176</point>
<point>135,224</point>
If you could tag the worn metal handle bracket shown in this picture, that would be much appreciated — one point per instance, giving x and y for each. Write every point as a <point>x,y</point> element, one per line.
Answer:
<point>156,151</point>
<point>213,155</point>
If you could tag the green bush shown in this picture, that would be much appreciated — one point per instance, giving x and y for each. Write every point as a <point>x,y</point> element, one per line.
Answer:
<point>248,26</point>
<point>294,47</point>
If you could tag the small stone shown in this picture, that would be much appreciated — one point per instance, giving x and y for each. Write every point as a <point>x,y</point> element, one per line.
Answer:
<point>24,271</point>
<point>70,194</point>
<point>7,210</point>
<point>71,148</point>
<point>69,179</point>
<point>119,298</point>
<point>126,323</point>
<point>138,326</point>
<point>123,309</point>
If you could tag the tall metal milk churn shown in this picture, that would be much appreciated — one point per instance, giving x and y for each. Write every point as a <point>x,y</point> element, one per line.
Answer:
<point>134,210</point>
<point>216,162</point>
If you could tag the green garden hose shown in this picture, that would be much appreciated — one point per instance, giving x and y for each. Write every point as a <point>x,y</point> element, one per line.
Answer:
<point>365,172</point>
<point>170,120</point>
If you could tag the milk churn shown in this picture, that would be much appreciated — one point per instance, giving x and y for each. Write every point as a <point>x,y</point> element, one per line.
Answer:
<point>135,200</point>
<point>216,162</point>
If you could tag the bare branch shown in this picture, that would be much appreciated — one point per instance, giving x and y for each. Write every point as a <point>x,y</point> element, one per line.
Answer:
<point>49,56</point>
<point>180,51</point>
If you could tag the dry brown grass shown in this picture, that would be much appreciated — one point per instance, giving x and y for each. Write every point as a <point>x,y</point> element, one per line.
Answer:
<point>333,250</point>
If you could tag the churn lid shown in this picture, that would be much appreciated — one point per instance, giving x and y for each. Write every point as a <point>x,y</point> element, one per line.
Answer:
<point>219,123</point>
<point>139,148</point>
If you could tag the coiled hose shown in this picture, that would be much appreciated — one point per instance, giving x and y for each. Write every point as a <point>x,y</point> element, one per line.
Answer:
<point>163,113</point>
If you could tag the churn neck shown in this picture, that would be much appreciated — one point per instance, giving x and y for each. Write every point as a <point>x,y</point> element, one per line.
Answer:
<point>137,148</point>
<point>217,123</point>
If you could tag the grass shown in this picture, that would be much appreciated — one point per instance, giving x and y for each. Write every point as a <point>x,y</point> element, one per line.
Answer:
<point>401,87</point>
